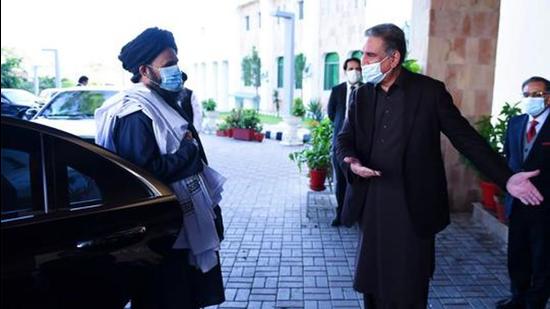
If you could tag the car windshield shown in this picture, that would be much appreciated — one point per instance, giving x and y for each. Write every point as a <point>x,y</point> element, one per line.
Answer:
<point>19,96</point>
<point>76,104</point>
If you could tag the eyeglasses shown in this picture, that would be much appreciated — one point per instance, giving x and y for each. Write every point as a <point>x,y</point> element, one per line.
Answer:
<point>535,94</point>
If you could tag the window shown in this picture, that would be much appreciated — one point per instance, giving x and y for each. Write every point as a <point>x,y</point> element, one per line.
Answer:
<point>259,20</point>
<point>357,54</point>
<point>280,70</point>
<point>247,23</point>
<point>76,104</point>
<point>22,189</point>
<point>85,179</point>
<point>82,189</point>
<point>300,9</point>
<point>16,182</point>
<point>332,63</point>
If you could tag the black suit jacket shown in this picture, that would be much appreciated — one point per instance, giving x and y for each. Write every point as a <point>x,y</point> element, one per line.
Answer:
<point>337,108</point>
<point>429,111</point>
<point>538,157</point>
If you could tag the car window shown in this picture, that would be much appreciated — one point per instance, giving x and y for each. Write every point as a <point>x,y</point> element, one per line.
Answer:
<point>20,97</point>
<point>82,189</point>
<point>76,104</point>
<point>22,191</point>
<point>86,179</point>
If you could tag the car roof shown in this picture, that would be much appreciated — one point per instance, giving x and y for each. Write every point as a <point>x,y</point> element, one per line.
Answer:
<point>89,88</point>
<point>154,185</point>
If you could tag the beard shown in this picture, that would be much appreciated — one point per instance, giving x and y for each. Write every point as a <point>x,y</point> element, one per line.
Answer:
<point>170,97</point>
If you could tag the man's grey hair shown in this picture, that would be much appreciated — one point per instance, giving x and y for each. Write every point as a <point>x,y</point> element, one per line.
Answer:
<point>393,37</point>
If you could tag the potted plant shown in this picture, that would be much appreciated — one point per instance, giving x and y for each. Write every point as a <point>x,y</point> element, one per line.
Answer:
<point>495,135</point>
<point>316,155</point>
<point>248,121</point>
<point>499,207</point>
<point>209,107</point>
<point>258,135</point>
<point>232,121</point>
<point>315,110</point>
<point>222,129</point>
<point>298,109</point>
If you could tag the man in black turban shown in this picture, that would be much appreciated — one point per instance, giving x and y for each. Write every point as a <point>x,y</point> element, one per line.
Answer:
<point>152,59</point>
<point>144,48</point>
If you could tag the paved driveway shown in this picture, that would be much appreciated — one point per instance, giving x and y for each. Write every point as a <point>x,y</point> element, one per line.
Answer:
<point>281,252</point>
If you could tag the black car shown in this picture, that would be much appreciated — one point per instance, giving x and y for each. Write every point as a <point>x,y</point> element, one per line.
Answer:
<point>81,227</point>
<point>15,102</point>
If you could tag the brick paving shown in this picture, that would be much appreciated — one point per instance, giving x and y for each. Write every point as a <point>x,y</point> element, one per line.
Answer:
<point>281,252</point>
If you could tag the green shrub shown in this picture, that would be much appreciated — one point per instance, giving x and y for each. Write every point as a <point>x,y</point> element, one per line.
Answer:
<point>317,154</point>
<point>209,105</point>
<point>298,109</point>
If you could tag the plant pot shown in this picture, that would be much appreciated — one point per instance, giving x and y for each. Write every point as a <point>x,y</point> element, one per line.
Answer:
<point>259,136</point>
<point>243,134</point>
<point>317,179</point>
<point>210,124</point>
<point>488,192</point>
<point>501,212</point>
<point>220,132</point>
<point>229,132</point>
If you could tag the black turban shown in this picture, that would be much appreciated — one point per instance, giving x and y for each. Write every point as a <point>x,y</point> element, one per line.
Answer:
<point>145,47</point>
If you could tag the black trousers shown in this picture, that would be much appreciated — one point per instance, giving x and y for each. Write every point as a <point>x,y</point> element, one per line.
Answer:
<point>371,302</point>
<point>529,255</point>
<point>341,184</point>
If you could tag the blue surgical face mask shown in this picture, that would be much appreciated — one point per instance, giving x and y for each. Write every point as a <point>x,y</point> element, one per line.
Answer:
<point>372,73</point>
<point>171,79</point>
<point>533,106</point>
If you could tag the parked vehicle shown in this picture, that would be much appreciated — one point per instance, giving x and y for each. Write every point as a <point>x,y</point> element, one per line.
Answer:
<point>49,93</point>
<point>72,110</point>
<point>15,102</point>
<point>81,227</point>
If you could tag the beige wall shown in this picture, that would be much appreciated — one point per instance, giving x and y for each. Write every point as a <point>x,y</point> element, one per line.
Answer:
<point>461,52</point>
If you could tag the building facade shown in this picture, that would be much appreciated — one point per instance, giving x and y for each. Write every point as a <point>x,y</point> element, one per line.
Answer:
<point>327,32</point>
<point>482,49</point>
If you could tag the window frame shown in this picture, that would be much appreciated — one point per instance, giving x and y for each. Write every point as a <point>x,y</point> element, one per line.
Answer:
<point>331,76</point>
<point>280,71</point>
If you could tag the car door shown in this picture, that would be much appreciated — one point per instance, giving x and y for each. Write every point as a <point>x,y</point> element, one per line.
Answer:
<point>77,222</point>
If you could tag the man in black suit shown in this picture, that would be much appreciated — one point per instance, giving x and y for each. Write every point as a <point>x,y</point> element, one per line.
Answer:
<point>338,105</point>
<point>390,151</point>
<point>527,147</point>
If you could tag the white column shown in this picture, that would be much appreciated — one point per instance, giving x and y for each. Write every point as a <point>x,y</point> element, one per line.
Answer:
<point>57,66</point>
<point>290,137</point>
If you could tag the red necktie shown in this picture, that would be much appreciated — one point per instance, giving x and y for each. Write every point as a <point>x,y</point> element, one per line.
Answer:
<point>532,131</point>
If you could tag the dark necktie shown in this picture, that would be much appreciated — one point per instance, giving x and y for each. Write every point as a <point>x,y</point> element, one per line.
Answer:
<point>532,131</point>
<point>351,89</point>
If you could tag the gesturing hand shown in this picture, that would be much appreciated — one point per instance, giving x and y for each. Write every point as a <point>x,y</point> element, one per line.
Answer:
<point>519,186</point>
<point>358,169</point>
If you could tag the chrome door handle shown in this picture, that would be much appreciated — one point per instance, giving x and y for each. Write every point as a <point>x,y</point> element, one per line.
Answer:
<point>114,239</point>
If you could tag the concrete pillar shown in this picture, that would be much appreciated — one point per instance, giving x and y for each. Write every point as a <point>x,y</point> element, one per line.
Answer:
<point>461,52</point>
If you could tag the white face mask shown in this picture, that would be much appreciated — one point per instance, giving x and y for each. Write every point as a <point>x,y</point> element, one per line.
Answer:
<point>372,73</point>
<point>353,76</point>
<point>533,106</point>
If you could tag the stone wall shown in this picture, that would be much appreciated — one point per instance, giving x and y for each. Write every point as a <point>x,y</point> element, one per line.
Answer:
<point>462,52</point>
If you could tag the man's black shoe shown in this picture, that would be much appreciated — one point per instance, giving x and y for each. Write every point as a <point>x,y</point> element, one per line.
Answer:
<point>336,222</point>
<point>509,303</point>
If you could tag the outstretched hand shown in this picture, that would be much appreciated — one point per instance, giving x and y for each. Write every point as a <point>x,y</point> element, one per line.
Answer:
<point>520,187</point>
<point>358,169</point>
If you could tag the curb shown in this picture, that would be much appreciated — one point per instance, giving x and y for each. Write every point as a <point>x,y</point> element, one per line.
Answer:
<point>278,135</point>
<point>487,220</point>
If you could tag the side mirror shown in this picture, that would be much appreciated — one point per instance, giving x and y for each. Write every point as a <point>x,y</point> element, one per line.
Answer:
<point>30,113</point>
